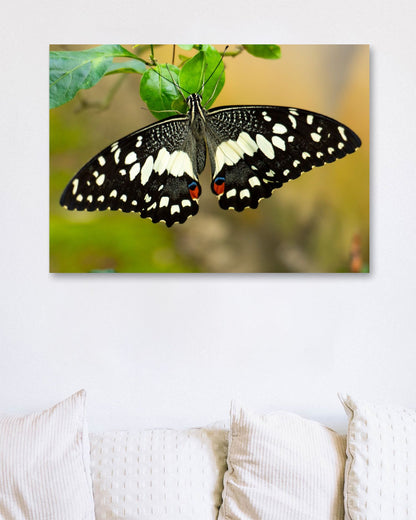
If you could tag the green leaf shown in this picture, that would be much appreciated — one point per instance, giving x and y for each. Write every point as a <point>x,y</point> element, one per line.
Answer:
<point>159,93</point>
<point>183,58</point>
<point>203,47</point>
<point>197,46</point>
<point>132,66</point>
<point>70,71</point>
<point>198,69</point>
<point>269,52</point>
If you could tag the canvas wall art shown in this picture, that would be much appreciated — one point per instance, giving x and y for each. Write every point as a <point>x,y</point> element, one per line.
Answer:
<point>209,158</point>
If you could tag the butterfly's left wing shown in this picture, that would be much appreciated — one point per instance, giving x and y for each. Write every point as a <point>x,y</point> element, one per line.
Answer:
<point>153,171</point>
<point>256,149</point>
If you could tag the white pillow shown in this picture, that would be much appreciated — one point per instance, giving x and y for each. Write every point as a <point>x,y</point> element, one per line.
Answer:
<point>380,473</point>
<point>282,467</point>
<point>44,464</point>
<point>159,474</point>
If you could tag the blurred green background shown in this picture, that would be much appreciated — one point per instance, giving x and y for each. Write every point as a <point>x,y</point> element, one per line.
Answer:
<point>318,223</point>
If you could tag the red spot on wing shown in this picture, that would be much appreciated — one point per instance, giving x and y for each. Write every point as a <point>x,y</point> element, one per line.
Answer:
<point>219,186</point>
<point>195,192</point>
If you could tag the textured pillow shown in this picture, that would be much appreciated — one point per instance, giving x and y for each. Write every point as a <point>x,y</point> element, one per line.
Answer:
<point>44,464</point>
<point>159,474</point>
<point>380,473</point>
<point>282,467</point>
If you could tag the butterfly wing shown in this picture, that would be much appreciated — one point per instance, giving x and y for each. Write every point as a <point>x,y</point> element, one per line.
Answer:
<point>153,171</point>
<point>256,149</point>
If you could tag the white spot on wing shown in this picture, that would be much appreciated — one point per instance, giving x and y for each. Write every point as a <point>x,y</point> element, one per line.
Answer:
<point>231,193</point>
<point>340,146</point>
<point>244,193</point>
<point>89,198</point>
<point>293,121</point>
<point>134,171</point>
<point>265,146</point>
<point>179,164</point>
<point>246,143</point>
<point>117,155</point>
<point>147,198</point>
<point>164,201</point>
<point>100,198</point>
<point>75,183</point>
<point>123,171</point>
<point>101,160</point>
<point>79,197</point>
<point>319,154</point>
<point>286,172</point>
<point>130,158</point>
<point>100,179</point>
<point>296,163</point>
<point>309,119</point>
<point>162,161</point>
<point>305,155</point>
<point>123,198</point>
<point>279,142</point>
<point>331,150</point>
<point>278,128</point>
<point>186,202</point>
<point>341,130</point>
<point>175,209</point>
<point>228,152</point>
<point>254,181</point>
<point>139,141</point>
<point>316,137</point>
<point>113,193</point>
<point>146,170</point>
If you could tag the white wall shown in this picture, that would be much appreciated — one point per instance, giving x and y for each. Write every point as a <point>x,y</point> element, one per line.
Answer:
<point>173,350</point>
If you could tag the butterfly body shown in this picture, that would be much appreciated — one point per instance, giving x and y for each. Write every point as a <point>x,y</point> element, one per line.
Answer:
<point>252,150</point>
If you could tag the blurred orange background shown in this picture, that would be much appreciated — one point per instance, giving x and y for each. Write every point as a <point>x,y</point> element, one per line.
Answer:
<point>318,223</point>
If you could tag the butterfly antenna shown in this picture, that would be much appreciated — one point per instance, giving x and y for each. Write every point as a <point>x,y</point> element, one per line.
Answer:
<point>215,88</point>
<point>213,72</point>
<point>171,80</point>
<point>203,82</point>
<point>176,85</point>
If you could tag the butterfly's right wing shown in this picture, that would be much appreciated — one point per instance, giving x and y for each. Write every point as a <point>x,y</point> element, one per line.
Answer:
<point>153,171</point>
<point>256,149</point>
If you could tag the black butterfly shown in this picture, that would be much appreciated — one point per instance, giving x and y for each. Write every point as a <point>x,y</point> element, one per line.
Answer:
<point>252,149</point>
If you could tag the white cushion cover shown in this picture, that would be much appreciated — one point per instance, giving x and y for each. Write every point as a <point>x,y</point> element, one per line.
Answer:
<point>44,464</point>
<point>380,473</point>
<point>282,467</point>
<point>159,474</point>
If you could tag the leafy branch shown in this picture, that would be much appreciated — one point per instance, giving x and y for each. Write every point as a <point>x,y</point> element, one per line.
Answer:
<point>72,71</point>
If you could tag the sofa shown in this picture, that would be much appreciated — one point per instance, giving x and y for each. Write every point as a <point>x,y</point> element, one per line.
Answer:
<point>256,467</point>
